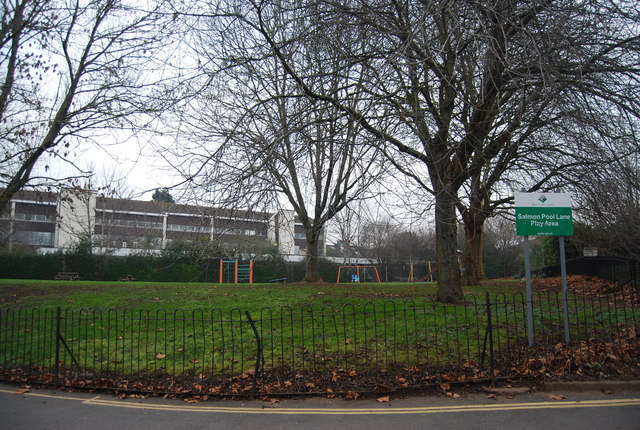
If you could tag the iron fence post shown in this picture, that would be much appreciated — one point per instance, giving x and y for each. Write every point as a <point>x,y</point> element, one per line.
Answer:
<point>565,297</point>
<point>57,357</point>
<point>490,332</point>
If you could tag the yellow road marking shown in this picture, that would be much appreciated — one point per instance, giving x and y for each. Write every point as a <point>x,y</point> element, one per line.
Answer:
<point>344,411</point>
<point>53,396</point>
<point>390,411</point>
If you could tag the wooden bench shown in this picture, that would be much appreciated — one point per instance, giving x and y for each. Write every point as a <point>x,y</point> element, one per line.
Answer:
<point>67,276</point>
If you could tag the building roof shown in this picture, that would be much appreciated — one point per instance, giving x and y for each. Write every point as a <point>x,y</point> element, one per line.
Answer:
<point>36,196</point>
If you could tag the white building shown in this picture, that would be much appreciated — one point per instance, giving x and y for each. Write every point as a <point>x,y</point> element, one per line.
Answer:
<point>47,222</point>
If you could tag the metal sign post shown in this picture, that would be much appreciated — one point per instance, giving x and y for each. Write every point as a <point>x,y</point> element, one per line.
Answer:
<point>565,298</point>
<point>527,271</point>
<point>544,214</point>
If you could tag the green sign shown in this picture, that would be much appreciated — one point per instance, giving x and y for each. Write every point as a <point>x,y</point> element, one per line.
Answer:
<point>543,214</point>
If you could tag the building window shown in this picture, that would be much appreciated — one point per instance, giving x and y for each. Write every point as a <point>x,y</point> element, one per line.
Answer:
<point>128,223</point>
<point>35,237</point>
<point>190,228</point>
<point>32,217</point>
<point>236,232</point>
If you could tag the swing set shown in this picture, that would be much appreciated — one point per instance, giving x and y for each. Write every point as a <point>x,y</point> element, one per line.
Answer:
<point>359,273</point>
<point>232,272</point>
<point>427,278</point>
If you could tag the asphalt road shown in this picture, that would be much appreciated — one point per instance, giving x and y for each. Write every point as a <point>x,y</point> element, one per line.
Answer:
<point>47,409</point>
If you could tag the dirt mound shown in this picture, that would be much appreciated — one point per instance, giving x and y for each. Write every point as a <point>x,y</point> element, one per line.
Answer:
<point>577,283</point>
<point>589,285</point>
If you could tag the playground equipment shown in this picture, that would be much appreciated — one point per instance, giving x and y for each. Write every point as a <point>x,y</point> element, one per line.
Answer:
<point>428,277</point>
<point>231,271</point>
<point>360,273</point>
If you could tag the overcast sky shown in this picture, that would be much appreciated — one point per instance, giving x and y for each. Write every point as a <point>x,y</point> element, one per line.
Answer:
<point>130,167</point>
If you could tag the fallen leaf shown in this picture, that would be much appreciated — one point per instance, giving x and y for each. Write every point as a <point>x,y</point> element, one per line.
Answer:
<point>195,361</point>
<point>492,396</point>
<point>607,392</point>
<point>383,399</point>
<point>352,395</point>
<point>160,356</point>
<point>556,396</point>
<point>348,341</point>
<point>21,391</point>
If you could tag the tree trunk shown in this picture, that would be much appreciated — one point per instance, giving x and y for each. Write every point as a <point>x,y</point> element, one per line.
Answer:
<point>449,287</point>
<point>474,264</point>
<point>311,273</point>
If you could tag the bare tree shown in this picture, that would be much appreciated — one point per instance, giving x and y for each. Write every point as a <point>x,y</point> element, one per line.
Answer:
<point>502,248</point>
<point>391,243</point>
<point>72,69</point>
<point>459,84</point>
<point>554,157</point>
<point>608,207</point>
<point>266,141</point>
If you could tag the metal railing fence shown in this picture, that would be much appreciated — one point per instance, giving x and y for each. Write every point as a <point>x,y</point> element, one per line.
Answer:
<point>94,343</point>
<point>611,268</point>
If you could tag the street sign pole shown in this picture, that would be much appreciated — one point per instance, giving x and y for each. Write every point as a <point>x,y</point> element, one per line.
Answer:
<point>527,271</point>
<point>565,299</point>
<point>544,214</point>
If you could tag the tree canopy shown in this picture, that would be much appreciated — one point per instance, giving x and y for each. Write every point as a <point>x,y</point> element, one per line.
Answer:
<point>162,195</point>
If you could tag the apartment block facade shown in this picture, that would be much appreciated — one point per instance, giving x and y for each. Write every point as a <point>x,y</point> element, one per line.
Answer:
<point>47,222</point>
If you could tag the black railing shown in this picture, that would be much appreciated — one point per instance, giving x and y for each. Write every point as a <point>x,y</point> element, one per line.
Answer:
<point>198,345</point>
<point>610,268</point>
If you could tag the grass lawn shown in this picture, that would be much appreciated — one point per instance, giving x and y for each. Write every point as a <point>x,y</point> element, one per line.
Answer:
<point>171,296</point>
<point>175,328</point>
